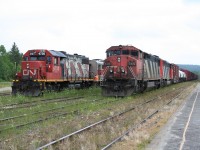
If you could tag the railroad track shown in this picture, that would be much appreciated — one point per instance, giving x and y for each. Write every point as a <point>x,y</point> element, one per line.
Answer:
<point>58,114</point>
<point>5,94</point>
<point>36,102</point>
<point>48,110</point>
<point>101,122</point>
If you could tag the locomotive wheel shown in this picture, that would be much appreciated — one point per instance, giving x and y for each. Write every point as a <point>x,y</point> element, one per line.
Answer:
<point>14,91</point>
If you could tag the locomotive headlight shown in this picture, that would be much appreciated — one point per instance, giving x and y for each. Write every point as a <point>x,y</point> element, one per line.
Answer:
<point>111,70</point>
<point>118,59</point>
<point>27,66</point>
<point>122,70</point>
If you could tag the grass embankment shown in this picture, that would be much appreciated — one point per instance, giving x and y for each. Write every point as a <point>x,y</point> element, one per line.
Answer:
<point>82,112</point>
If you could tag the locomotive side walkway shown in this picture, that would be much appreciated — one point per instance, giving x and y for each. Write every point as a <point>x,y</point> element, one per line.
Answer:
<point>182,132</point>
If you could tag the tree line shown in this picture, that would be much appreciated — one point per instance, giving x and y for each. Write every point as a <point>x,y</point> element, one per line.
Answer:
<point>9,62</point>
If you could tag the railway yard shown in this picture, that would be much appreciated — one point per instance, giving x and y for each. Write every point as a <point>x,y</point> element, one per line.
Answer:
<point>83,119</point>
<point>100,75</point>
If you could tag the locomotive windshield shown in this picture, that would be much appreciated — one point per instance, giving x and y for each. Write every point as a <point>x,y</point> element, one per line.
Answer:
<point>134,54</point>
<point>113,52</point>
<point>37,58</point>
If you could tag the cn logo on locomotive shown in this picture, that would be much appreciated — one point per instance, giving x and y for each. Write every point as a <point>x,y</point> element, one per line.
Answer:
<point>27,72</point>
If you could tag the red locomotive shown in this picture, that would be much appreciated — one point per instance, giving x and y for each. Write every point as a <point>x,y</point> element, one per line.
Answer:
<point>128,69</point>
<point>54,70</point>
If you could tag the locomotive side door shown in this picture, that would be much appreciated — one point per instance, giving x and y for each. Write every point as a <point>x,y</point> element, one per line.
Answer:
<point>141,66</point>
<point>62,65</point>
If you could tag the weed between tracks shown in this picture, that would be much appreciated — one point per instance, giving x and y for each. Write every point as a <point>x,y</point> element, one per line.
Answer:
<point>38,134</point>
<point>5,84</point>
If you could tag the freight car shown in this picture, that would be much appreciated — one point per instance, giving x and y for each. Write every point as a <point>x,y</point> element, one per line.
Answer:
<point>43,69</point>
<point>96,70</point>
<point>189,75</point>
<point>182,76</point>
<point>128,69</point>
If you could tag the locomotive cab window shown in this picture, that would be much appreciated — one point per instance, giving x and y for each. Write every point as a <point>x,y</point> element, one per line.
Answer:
<point>41,58</point>
<point>125,52</point>
<point>117,52</point>
<point>141,55</point>
<point>134,54</point>
<point>55,60</point>
<point>99,67</point>
<point>33,58</point>
<point>109,53</point>
<point>26,58</point>
<point>48,60</point>
<point>37,58</point>
<point>113,52</point>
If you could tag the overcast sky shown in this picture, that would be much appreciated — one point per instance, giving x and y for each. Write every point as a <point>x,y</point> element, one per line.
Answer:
<point>167,28</point>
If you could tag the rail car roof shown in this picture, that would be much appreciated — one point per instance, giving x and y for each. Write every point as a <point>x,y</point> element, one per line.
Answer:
<point>123,47</point>
<point>57,53</point>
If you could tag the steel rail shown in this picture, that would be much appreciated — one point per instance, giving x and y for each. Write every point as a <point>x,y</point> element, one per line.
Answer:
<point>38,102</point>
<point>37,121</point>
<point>5,94</point>
<point>28,102</point>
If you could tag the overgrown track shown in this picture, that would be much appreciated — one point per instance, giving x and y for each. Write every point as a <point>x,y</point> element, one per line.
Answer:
<point>101,122</point>
<point>49,110</point>
<point>36,102</point>
<point>52,113</point>
<point>5,94</point>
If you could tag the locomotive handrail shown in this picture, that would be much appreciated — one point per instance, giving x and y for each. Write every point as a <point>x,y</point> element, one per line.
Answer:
<point>132,71</point>
<point>105,71</point>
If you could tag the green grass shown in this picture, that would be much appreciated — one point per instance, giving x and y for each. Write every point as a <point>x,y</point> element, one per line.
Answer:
<point>5,84</point>
<point>144,143</point>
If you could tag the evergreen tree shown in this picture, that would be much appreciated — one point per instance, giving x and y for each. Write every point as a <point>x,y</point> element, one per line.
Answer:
<point>8,62</point>
<point>2,50</point>
<point>6,65</point>
<point>15,56</point>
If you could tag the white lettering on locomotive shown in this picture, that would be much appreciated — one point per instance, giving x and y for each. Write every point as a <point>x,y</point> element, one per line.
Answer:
<point>27,72</point>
